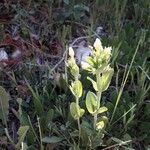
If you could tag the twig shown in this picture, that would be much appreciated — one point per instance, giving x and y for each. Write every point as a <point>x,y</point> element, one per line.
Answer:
<point>79,38</point>
<point>118,144</point>
<point>83,37</point>
<point>62,59</point>
<point>145,73</point>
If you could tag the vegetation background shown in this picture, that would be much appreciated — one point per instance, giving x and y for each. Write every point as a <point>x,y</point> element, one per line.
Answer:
<point>34,80</point>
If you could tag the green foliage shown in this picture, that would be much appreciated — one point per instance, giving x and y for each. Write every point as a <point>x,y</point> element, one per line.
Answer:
<point>36,98</point>
<point>4,105</point>
<point>104,79</point>
<point>100,125</point>
<point>93,83</point>
<point>49,116</point>
<point>108,118</point>
<point>52,139</point>
<point>21,135</point>
<point>98,65</point>
<point>102,110</point>
<point>74,10</point>
<point>71,63</point>
<point>76,111</point>
<point>91,102</point>
<point>76,88</point>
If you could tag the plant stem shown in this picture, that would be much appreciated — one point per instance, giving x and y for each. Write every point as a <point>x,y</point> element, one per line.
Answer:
<point>79,127</point>
<point>32,128</point>
<point>8,136</point>
<point>41,145</point>
<point>98,101</point>
<point>78,120</point>
<point>117,145</point>
<point>95,120</point>
<point>98,106</point>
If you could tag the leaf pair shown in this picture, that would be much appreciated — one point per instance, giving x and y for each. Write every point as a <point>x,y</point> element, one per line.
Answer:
<point>76,111</point>
<point>92,104</point>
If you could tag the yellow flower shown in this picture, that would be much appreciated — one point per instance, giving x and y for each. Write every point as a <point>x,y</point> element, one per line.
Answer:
<point>98,45</point>
<point>71,52</point>
<point>107,50</point>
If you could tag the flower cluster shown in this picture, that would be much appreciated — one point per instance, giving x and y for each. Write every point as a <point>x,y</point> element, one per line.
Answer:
<point>99,58</point>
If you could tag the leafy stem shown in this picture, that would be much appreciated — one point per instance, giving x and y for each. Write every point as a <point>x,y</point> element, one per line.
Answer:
<point>98,101</point>
<point>78,119</point>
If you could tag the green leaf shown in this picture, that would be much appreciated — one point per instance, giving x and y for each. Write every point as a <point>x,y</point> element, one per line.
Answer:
<point>71,64</point>
<point>93,83</point>
<point>19,100</point>
<point>117,140</point>
<point>75,71</point>
<point>127,137</point>
<point>53,139</point>
<point>81,112</point>
<point>103,118</point>
<point>100,125</point>
<point>102,110</point>
<point>49,116</point>
<point>81,7</point>
<point>4,105</point>
<point>86,126</point>
<point>36,99</point>
<point>90,61</point>
<point>76,88</point>
<point>104,80</point>
<point>87,132</point>
<point>91,102</point>
<point>76,111</point>
<point>21,135</point>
